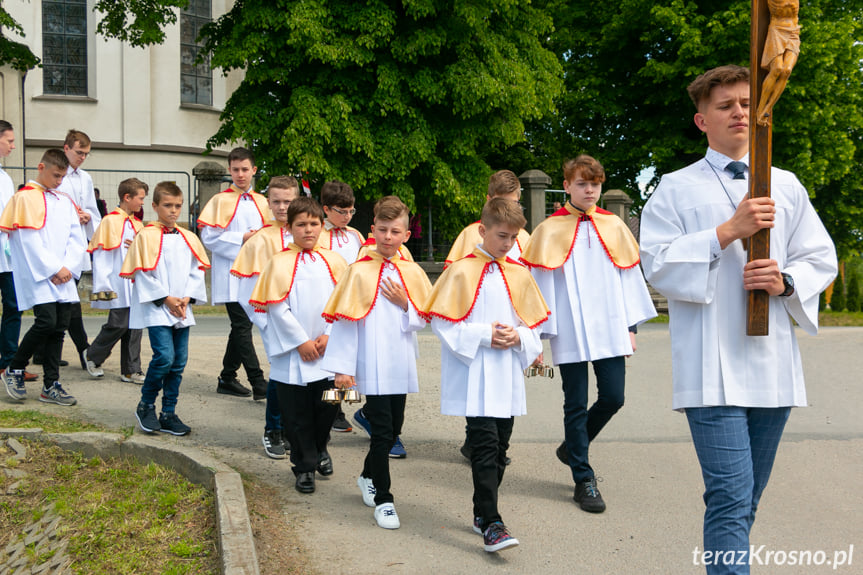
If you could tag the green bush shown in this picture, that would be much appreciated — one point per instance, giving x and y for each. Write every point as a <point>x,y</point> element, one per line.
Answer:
<point>837,300</point>
<point>852,299</point>
<point>822,301</point>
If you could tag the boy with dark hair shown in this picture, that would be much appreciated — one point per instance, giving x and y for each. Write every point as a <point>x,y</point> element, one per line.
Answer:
<point>166,264</point>
<point>48,249</point>
<point>291,293</point>
<point>109,246</point>
<point>370,330</point>
<point>228,220</point>
<point>737,391</point>
<point>585,261</point>
<point>485,308</point>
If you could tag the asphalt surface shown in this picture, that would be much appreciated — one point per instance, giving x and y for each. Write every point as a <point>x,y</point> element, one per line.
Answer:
<point>812,510</point>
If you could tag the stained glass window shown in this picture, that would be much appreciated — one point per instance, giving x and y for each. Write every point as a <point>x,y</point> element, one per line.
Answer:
<point>64,47</point>
<point>196,80</point>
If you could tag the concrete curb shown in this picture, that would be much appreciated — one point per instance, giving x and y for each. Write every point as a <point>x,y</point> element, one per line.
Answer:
<point>236,544</point>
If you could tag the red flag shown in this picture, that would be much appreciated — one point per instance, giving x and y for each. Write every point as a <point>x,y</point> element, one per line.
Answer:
<point>306,189</point>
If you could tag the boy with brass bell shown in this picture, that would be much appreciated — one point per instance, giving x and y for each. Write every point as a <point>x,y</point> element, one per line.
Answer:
<point>292,290</point>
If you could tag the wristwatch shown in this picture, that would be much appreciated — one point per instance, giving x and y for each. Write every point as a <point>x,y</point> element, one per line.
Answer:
<point>789,285</point>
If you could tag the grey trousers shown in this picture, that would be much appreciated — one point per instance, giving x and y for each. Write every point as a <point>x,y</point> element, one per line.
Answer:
<point>117,329</point>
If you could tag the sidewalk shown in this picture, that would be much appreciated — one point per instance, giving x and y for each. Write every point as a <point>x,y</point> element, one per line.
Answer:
<point>650,477</point>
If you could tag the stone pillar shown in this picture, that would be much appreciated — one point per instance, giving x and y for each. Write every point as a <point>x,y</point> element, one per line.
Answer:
<point>534,183</point>
<point>208,177</point>
<point>618,203</point>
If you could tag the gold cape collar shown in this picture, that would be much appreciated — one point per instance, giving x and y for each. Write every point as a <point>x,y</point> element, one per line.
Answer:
<point>28,208</point>
<point>146,250</point>
<point>277,277</point>
<point>221,209</point>
<point>258,250</point>
<point>109,234</point>
<point>469,238</point>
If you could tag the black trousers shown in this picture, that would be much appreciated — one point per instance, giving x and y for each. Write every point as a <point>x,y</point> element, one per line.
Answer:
<point>306,420</point>
<point>46,335</point>
<point>114,330</point>
<point>386,415</point>
<point>241,349</point>
<point>488,439</point>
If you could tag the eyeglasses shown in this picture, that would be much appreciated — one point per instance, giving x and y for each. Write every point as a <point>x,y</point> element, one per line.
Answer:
<point>82,155</point>
<point>341,212</point>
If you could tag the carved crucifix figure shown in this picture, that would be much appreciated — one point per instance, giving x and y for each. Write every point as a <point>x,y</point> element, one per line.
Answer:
<point>781,48</point>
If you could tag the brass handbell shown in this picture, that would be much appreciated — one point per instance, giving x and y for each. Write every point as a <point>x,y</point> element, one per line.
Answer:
<point>543,370</point>
<point>332,395</point>
<point>351,395</point>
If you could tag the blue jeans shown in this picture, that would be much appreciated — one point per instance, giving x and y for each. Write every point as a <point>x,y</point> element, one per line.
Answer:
<point>10,323</point>
<point>736,447</point>
<point>581,425</point>
<point>170,350</point>
<point>272,413</point>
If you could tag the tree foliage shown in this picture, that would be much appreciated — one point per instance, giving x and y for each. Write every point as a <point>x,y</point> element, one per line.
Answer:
<point>626,70</point>
<point>14,53</point>
<point>852,298</point>
<point>403,97</point>
<point>837,298</point>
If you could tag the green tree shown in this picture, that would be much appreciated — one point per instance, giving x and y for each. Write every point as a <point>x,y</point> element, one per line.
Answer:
<point>626,69</point>
<point>403,97</point>
<point>837,299</point>
<point>852,299</point>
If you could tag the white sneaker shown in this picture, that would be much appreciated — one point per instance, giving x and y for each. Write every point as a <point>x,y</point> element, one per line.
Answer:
<point>137,378</point>
<point>386,516</point>
<point>93,369</point>
<point>367,488</point>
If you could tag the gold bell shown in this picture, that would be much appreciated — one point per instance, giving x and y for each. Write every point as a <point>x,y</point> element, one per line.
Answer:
<point>331,396</point>
<point>351,395</point>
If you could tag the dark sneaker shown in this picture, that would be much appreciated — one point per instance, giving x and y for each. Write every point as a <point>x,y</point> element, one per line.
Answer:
<point>146,416</point>
<point>325,464</point>
<point>91,367</point>
<point>13,381</point>
<point>341,424</point>
<point>232,387</point>
<point>477,526</point>
<point>273,445</point>
<point>588,496</point>
<point>170,423</point>
<point>259,391</point>
<point>305,482</point>
<point>398,450</point>
<point>561,453</point>
<point>361,420</point>
<point>286,442</point>
<point>56,394</point>
<point>496,537</point>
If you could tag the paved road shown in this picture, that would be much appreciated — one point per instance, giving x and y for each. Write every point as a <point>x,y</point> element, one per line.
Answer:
<point>650,477</point>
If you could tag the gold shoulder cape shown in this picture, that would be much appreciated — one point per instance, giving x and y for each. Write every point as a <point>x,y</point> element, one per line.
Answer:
<point>456,290</point>
<point>109,234</point>
<point>221,208</point>
<point>258,250</point>
<point>469,238</point>
<point>145,251</point>
<point>357,291</point>
<point>370,243</point>
<point>277,277</point>
<point>325,240</point>
<point>26,209</point>
<point>552,240</point>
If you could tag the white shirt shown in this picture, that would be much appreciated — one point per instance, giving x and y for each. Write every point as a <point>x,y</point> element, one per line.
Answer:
<point>39,254</point>
<point>714,361</point>
<point>245,286</point>
<point>379,350</point>
<point>79,185</point>
<point>345,243</point>
<point>297,320</point>
<point>177,274</point>
<point>477,380</point>
<point>7,189</point>
<point>106,273</point>
<point>225,244</point>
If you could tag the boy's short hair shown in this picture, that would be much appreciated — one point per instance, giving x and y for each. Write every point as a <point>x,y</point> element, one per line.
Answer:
<point>166,189</point>
<point>390,208</point>
<point>337,194</point>
<point>589,167</point>
<point>73,136</point>
<point>56,158</point>
<point>284,182</point>
<point>130,187</point>
<point>700,88</point>
<point>5,126</point>
<point>240,154</point>
<point>305,205</point>
<point>502,183</point>
<point>500,211</point>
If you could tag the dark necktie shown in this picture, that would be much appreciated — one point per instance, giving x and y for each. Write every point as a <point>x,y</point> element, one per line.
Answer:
<point>737,169</point>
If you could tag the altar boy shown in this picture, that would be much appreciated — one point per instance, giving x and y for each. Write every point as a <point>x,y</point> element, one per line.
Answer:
<point>485,308</point>
<point>376,308</point>
<point>166,264</point>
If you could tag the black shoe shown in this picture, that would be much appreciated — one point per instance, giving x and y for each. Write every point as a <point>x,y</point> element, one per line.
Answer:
<point>233,387</point>
<point>325,464</point>
<point>274,446</point>
<point>341,424</point>
<point>561,453</point>
<point>170,423</point>
<point>588,496</point>
<point>146,416</point>
<point>259,391</point>
<point>305,482</point>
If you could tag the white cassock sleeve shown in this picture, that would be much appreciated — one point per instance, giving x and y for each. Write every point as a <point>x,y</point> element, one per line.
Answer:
<point>225,243</point>
<point>283,333</point>
<point>342,348</point>
<point>461,338</point>
<point>103,269</point>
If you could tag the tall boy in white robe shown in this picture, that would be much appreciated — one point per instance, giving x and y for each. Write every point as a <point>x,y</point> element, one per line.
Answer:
<point>228,220</point>
<point>485,308</point>
<point>109,246</point>
<point>291,293</point>
<point>585,261</point>
<point>376,309</point>
<point>166,265</point>
<point>48,249</point>
<point>737,391</point>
